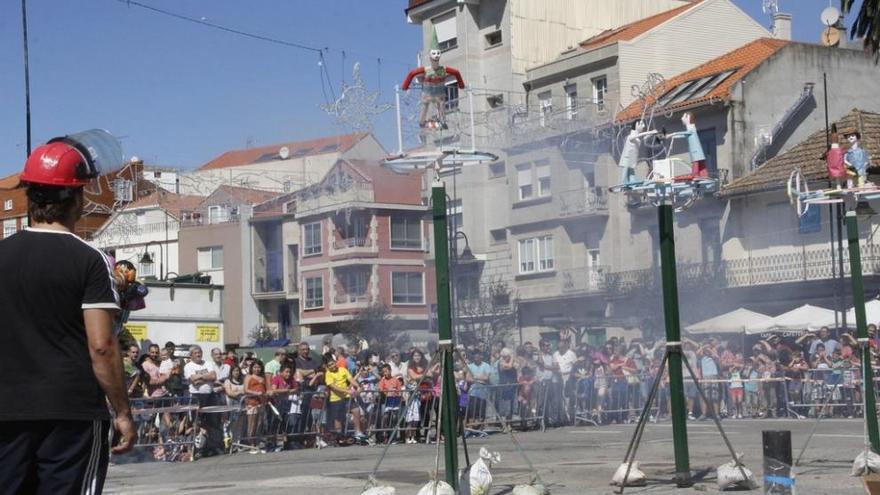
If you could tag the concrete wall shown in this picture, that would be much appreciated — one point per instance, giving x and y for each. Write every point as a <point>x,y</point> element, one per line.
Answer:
<point>227,236</point>
<point>177,317</point>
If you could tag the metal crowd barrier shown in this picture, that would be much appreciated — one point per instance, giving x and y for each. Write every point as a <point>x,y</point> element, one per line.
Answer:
<point>167,429</point>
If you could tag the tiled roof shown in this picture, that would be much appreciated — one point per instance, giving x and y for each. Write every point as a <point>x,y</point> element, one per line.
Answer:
<point>9,182</point>
<point>248,195</point>
<point>319,146</point>
<point>389,186</point>
<point>807,155</point>
<point>168,201</point>
<point>630,31</point>
<point>741,61</point>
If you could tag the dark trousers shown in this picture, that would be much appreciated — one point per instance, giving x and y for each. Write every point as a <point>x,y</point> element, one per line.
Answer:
<point>211,423</point>
<point>54,457</point>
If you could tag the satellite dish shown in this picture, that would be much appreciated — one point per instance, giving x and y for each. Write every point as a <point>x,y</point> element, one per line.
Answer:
<point>830,16</point>
<point>284,152</point>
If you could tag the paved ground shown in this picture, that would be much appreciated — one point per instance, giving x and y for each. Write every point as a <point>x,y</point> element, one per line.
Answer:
<point>575,460</point>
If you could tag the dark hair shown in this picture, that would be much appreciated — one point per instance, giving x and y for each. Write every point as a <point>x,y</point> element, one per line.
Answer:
<point>232,374</point>
<point>328,358</point>
<point>153,345</point>
<point>385,367</point>
<point>49,204</point>
<point>262,368</point>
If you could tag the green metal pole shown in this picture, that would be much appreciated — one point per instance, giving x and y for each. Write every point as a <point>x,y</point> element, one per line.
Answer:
<point>449,415</point>
<point>673,345</point>
<point>858,289</point>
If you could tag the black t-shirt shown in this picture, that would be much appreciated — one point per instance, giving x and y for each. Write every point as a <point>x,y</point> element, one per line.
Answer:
<point>47,279</point>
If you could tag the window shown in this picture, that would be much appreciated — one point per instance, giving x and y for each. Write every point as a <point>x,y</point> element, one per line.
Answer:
<point>527,256</point>
<point>355,283</point>
<point>493,39</point>
<point>445,28</point>
<point>210,258</point>
<point>543,172</point>
<point>536,254</point>
<point>217,214</point>
<point>571,101</point>
<point>312,238</point>
<point>496,170</point>
<point>148,269</point>
<point>524,181</point>
<point>545,105</point>
<point>354,228</point>
<point>406,233</point>
<point>454,215</point>
<point>314,292</point>
<point>9,227</point>
<point>24,223</point>
<point>407,288</point>
<point>7,205</point>
<point>451,95</point>
<point>498,236</point>
<point>600,89</point>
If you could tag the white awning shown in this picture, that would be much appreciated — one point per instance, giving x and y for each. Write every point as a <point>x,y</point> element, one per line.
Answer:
<point>798,320</point>
<point>735,321</point>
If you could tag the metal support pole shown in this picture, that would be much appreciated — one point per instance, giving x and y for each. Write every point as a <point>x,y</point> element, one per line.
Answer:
<point>27,77</point>
<point>855,270</point>
<point>471,110</point>
<point>449,415</point>
<point>399,123</point>
<point>673,343</point>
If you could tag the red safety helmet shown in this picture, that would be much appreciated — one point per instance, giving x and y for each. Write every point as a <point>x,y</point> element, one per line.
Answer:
<point>58,164</point>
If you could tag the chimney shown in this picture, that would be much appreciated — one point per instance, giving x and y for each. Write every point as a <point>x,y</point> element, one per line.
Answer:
<point>782,26</point>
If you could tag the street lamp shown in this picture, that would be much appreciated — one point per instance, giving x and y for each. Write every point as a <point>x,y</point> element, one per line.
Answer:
<point>147,259</point>
<point>467,256</point>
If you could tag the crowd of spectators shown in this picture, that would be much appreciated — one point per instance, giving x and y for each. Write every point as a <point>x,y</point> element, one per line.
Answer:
<point>358,393</point>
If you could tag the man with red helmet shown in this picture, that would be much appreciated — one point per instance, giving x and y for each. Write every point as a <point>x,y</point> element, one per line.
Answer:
<point>54,419</point>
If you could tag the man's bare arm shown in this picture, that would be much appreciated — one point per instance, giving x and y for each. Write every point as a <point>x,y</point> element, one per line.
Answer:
<point>107,366</point>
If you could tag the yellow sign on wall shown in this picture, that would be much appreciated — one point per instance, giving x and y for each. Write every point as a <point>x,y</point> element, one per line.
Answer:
<point>208,333</point>
<point>137,330</point>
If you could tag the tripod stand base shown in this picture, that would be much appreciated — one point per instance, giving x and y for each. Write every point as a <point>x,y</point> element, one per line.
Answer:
<point>683,480</point>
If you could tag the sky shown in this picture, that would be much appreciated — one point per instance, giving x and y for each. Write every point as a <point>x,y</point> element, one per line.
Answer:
<point>178,93</point>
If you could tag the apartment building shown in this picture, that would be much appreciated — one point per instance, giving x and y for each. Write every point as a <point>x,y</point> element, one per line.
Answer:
<point>358,238</point>
<point>148,225</point>
<point>281,167</point>
<point>214,240</point>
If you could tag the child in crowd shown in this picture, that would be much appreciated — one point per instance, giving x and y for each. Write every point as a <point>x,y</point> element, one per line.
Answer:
<point>390,391</point>
<point>751,386</point>
<point>736,391</point>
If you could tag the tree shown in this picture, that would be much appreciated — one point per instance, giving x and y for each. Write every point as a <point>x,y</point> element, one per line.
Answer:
<point>375,324</point>
<point>261,335</point>
<point>866,25</point>
<point>488,314</point>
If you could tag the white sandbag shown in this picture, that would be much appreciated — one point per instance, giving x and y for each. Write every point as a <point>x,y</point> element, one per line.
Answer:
<point>480,478</point>
<point>866,462</point>
<point>380,490</point>
<point>436,488</point>
<point>536,489</point>
<point>730,477</point>
<point>635,478</point>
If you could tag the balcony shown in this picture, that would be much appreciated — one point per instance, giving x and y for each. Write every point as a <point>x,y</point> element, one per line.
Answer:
<point>120,232</point>
<point>318,200</point>
<point>196,219</point>
<point>268,278</point>
<point>351,301</point>
<point>578,203</point>
<point>799,266</point>
<point>352,242</point>
<point>565,283</point>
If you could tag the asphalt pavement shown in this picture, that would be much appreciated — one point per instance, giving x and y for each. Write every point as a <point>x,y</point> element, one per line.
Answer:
<point>572,460</point>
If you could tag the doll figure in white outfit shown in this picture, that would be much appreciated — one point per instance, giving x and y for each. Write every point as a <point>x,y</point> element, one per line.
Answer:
<point>629,157</point>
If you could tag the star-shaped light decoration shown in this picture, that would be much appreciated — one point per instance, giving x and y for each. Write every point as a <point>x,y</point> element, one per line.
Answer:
<point>356,107</point>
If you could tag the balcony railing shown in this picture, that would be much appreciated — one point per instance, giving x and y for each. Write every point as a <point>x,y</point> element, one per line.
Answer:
<point>315,200</point>
<point>198,220</point>
<point>121,230</point>
<point>583,201</point>
<point>802,266</point>
<point>567,282</point>
<point>352,242</point>
<point>351,298</point>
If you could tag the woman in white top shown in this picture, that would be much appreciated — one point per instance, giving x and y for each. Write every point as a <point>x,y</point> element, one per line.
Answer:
<point>234,386</point>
